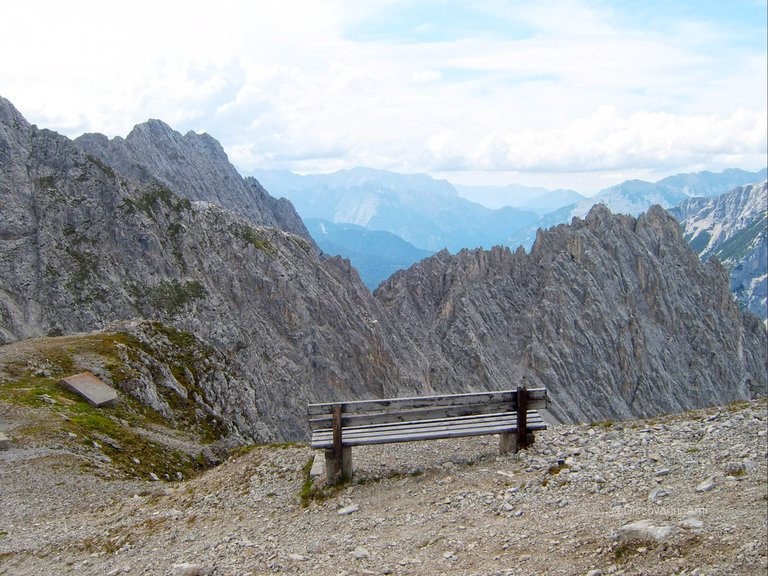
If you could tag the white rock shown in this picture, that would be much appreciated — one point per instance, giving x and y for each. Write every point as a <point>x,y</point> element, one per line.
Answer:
<point>733,468</point>
<point>361,553</point>
<point>186,569</point>
<point>706,486</point>
<point>643,530</point>
<point>657,494</point>
<point>348,510</point>
<point>693,524</point>
<point>298,557</point>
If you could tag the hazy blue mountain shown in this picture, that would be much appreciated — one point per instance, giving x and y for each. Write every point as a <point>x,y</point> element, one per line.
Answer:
<point>537,199</point>
<point>734,228</point>
<point>499,196</point>
<point>376,254</point>
<point>432,214</point>
<point>636,196</point>
<point>425,212</point>
<point>551,201</point>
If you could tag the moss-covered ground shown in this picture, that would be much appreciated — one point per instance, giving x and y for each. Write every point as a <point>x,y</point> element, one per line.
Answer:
<point>117,437</point>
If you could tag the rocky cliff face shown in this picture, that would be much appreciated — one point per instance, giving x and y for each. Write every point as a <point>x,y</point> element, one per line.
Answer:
<point>82,246</point>
<point>614,315</point>
<point>734,228</point>
<point>194,166</point>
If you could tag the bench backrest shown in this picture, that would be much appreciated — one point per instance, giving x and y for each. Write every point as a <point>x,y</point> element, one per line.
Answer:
<point>389,410</point>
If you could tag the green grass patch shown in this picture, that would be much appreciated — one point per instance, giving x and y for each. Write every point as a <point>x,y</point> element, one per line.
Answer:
<point>46,182</point>
<point>32,381</point>
<point>172,297</point>
<point>307,492</point>
<point>101,166</point>
<point>155,196</point>
<point>603,424</point>
<point>555,469</point>
<point>311,492</point>
<point>253,237</point>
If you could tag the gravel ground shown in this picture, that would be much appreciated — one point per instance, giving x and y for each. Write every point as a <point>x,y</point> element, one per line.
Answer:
<point>569,505</point>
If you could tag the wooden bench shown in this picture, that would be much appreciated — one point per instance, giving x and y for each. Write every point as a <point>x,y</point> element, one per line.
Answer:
<point>338,426</point>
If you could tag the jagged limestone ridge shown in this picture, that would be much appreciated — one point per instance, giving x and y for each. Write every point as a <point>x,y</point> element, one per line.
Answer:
<point>196,167</point>
<point>614,315</point>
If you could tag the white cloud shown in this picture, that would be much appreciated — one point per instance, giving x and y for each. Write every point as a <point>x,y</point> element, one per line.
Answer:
<point>643,140</point>
<point>425,76</point>
<point>580,87</point>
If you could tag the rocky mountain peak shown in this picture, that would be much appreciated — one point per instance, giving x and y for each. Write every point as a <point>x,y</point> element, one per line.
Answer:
<point>733,228</point>
<point>196,167</point>
<point>10,116</point>
<point>610,309</point>
<point>154,129</point>
<point>157,134</point>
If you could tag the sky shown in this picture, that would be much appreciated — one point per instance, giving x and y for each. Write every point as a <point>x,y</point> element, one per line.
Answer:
<point>577,94</point>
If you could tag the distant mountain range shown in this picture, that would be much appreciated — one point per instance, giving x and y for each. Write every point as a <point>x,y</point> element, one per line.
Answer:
<point>734,228</point>
<point>540,200</point>
<point>426,212</point>
<point>376,254</point>
<point>429,215</point>
<point>636,196</point>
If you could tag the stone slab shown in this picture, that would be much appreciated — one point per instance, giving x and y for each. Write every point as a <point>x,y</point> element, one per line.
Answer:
<point>95,392</point>
<point>318,467</point>
<point>5,442</point>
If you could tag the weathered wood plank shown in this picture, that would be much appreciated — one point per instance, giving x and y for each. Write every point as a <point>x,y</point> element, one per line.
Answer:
<point>430,413</point>
<point>433,435</point>
<point>361,406</point>
<point>422,430</point>
<point>510,418</point>
<point>352,439</point>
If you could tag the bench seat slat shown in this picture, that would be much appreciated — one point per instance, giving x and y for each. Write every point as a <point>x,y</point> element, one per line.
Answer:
<point>445,428</point>
<point>432,413</point>
<point>388,404</point>
<point>435,431</point>
<point>507,417</point>
<point>421,435</point>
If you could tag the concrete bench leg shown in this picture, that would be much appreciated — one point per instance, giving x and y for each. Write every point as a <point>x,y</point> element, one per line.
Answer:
<point>507,442</point>
<point>346,463</point>
<point>332,467</point>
